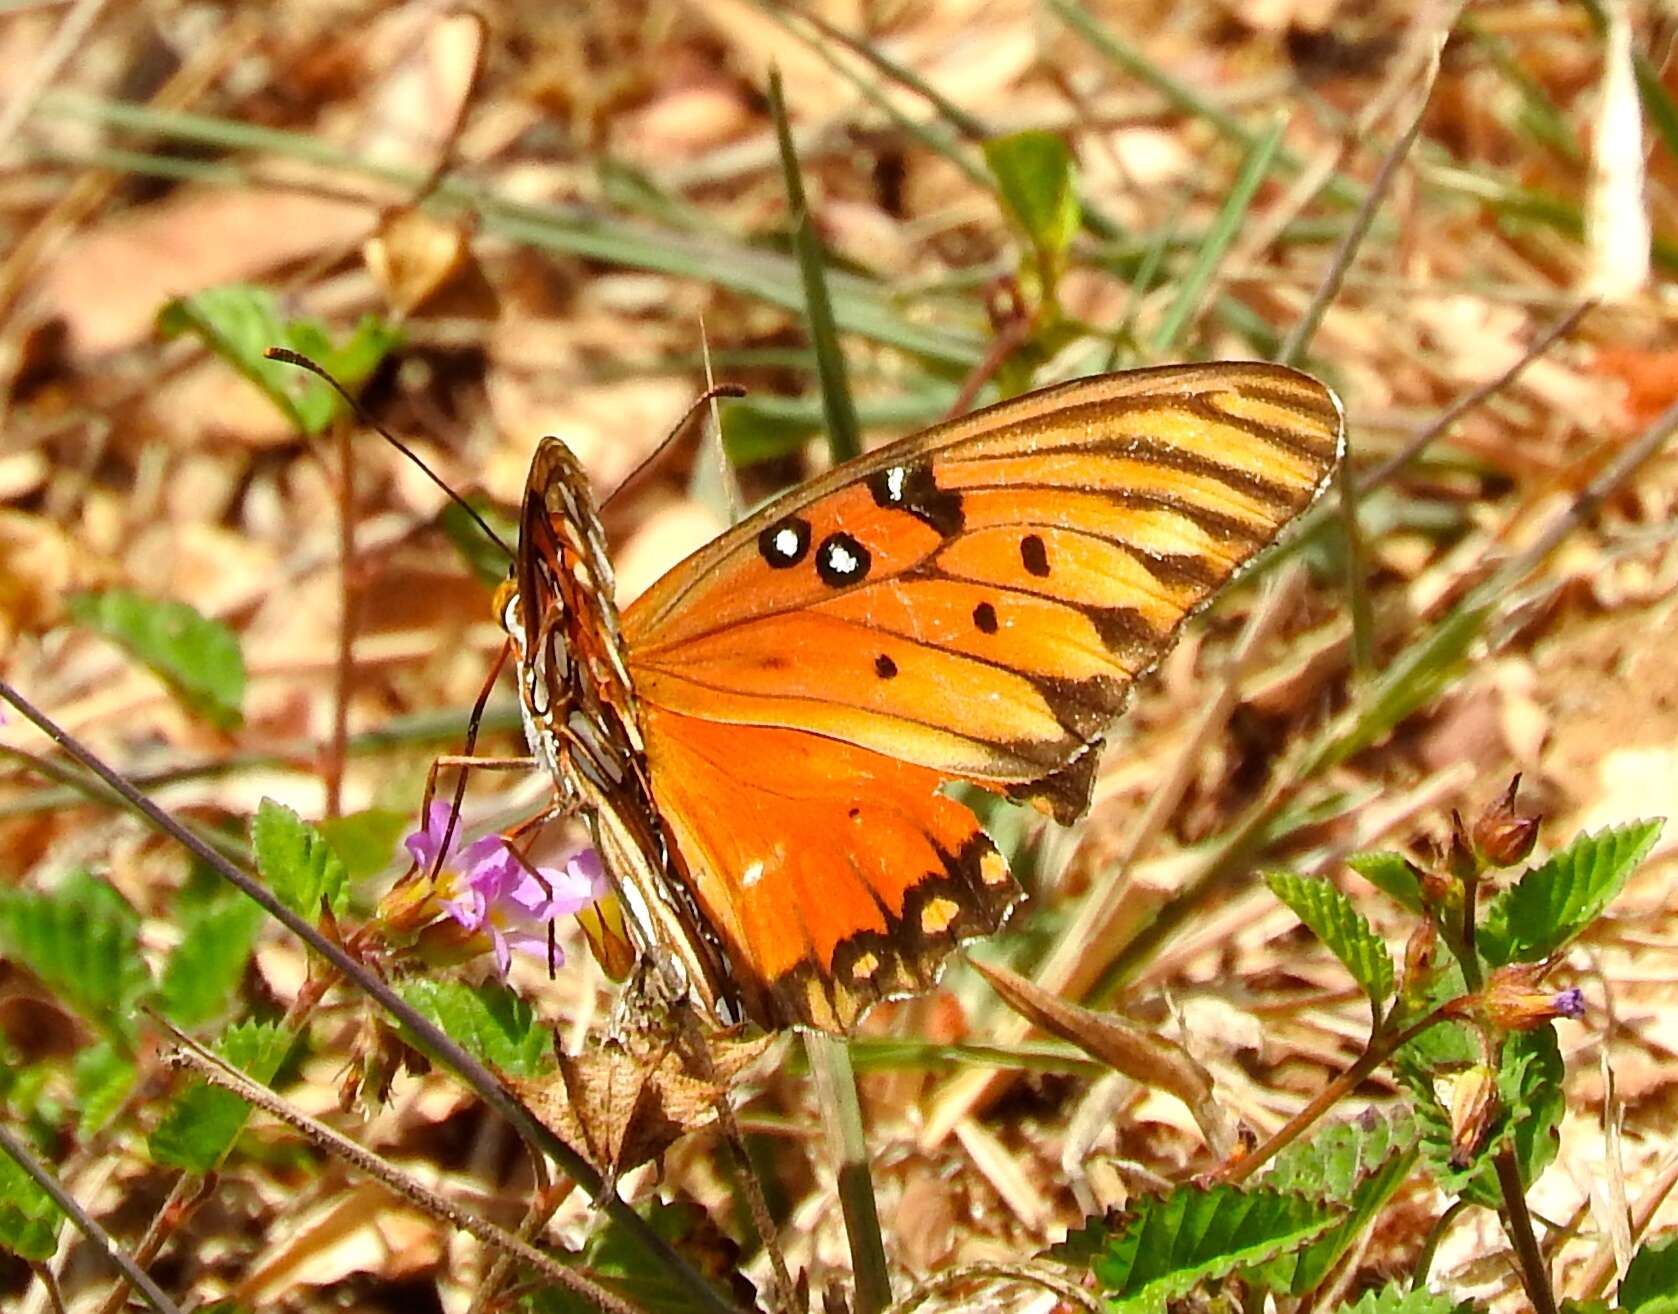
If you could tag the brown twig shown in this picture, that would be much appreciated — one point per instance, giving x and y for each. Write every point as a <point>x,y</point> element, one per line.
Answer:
<point>221,1073</point>
<point>1381,1047</point>
<point>1036,1275</point>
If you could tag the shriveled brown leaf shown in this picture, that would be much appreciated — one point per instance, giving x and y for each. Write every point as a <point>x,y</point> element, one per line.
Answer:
<point>1125,1046</point>
<point>625,1101</point>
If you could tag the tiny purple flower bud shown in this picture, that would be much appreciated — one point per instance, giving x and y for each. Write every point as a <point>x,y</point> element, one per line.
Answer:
<point>1570,1003</point>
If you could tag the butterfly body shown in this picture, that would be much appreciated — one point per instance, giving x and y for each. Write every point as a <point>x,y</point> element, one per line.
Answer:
<point>760,740</point>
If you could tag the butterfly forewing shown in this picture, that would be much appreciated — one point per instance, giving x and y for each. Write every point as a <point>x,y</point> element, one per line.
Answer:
<point>972,603</point>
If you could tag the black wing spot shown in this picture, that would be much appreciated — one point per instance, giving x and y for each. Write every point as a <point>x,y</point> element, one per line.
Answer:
<point>984,616</point>
<point>1034,556</point>
<point>884,667</point>
<point>785,542</point>
<point>841,560</point>
<point>912,488</point>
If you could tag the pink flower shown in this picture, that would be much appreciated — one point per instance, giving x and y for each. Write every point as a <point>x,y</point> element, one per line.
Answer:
<point>486,886</point>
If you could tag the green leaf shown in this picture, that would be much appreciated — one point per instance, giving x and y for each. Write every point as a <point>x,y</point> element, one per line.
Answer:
<point>844,432</point>
<point>198,658</point>
<point>491,1021</point>
<point>1192,288</point>
<point>1162,1247</point>
<point>1400,1299</point>
<point>366,842</point>
<point>28,1217</point>
<point>295,859</point>
<point>219,926</point>
<point>1038,187</point>
<point>82,941</point>
<point>239,323</point>
<point>1357,1164</point>
<point>1340,926</point>
<point>201,1125</point>
<point>1392,874</point>
<point>481,553</point>
<point>104,1076</point>
<point>752,434</point>
<point>1650,1285</point>
<point>1554,902</point>
<point>1412,680</point>
<point>616,1258</point>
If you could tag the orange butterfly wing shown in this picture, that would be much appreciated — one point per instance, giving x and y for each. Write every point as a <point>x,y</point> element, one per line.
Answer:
<point>971,603</point>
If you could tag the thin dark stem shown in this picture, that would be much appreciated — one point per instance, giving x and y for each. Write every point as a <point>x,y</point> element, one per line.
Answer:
<point>1381,1048</point>
<point>101,1239</point>
<point>176,1209</point>
<point>426,1032</point>
<point>221,1073</point>
<point>344,668</point>
<point>1424,437</point>
<point>1534,1276</point>
<point>1436,1234</point>
<point>1298,341</point>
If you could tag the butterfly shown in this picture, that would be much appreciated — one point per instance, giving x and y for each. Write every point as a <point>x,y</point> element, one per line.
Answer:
<point>758,743</point>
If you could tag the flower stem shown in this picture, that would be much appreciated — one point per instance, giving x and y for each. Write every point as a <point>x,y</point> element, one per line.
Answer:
<point>830,1065</point>
<point>1534,1276</point>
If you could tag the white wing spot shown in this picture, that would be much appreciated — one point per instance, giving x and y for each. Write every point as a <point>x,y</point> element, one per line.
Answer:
<point>751,876</point>
<point>840,560</point>
<point>786,542</point>
<point>895,479</point>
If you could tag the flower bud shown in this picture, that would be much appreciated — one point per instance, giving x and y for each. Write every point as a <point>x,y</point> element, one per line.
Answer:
<point>1473,1105</point>
<point>1502,836</point>
<point>1515,999</point>
<point>1418,956</point>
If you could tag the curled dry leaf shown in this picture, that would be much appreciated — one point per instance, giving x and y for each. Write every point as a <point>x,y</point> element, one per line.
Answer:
<point>1138,1052</point>
<point>629,1099</point>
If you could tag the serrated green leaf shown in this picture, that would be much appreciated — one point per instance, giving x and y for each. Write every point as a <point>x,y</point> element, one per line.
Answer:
<point>1650,1285</point>
<point>297,862</point>
<point>82,941</point>
<point>1392,874</point>
<point>219,927</point>
<point>197,658</point>
<point>104,1075</point>
<point>1531,1104</point>
<point>481,553</point>
<point>1397,1299</point>
<point>492,1021</point>
<point>615,1257</point>
<point>1162,1247</point>
<point>29,1220</point>
<point>1341,927</point>
<point>239,322</point>
<point>201,1125</point>
<point>1038,187</point>
<point>1357,1164</point>
<point>1558,899</point>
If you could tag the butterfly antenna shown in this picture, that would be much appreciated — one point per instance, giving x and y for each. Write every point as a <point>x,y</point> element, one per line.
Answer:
<point>704,399</point>
<point>297,358</point>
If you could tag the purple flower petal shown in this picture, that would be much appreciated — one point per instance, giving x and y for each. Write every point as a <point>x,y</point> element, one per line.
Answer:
<point>1570,1003</point>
